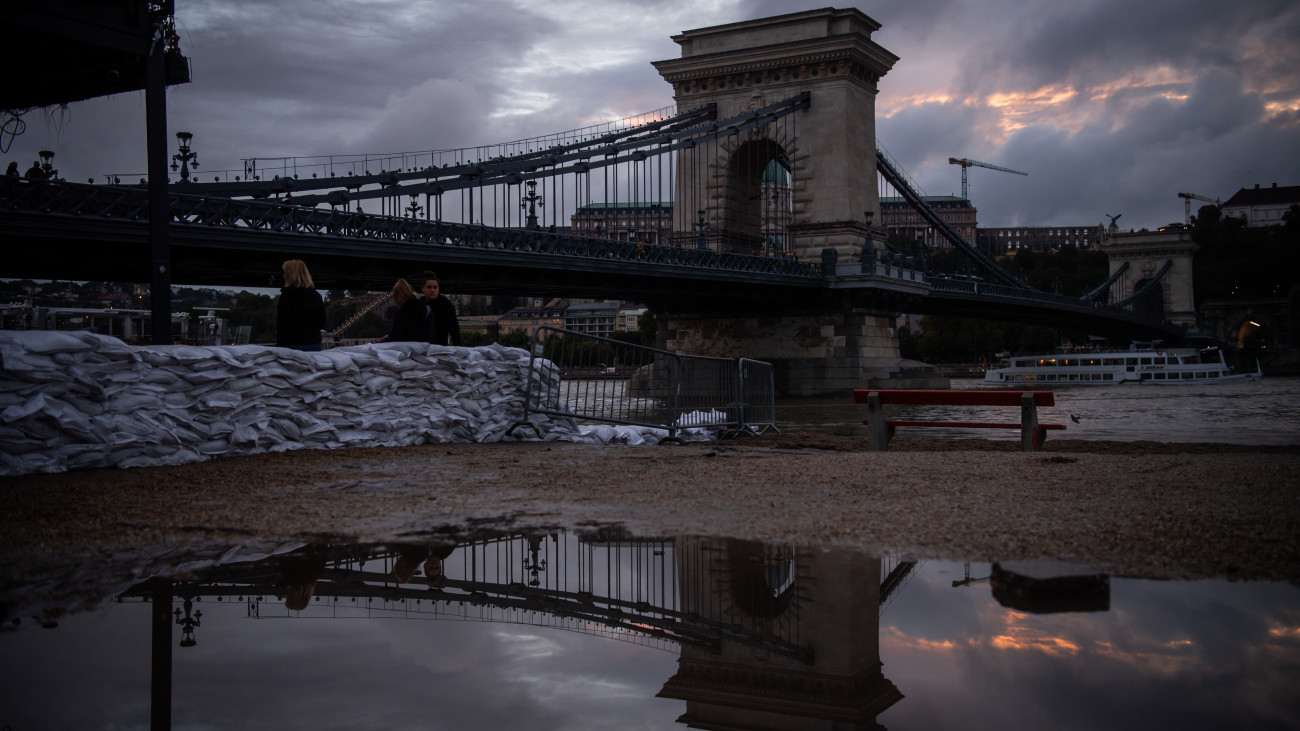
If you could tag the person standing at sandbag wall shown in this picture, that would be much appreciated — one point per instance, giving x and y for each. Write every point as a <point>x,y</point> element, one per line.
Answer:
<point>300,316</point>
<point>408,321</point>
<point>440,324</point>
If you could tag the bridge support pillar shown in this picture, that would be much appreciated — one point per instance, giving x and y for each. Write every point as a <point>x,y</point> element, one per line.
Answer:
<point>829,149</point>
<point>813,354</point>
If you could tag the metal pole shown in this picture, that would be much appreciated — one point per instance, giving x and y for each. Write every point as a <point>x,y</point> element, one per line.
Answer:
<point>159,213</point>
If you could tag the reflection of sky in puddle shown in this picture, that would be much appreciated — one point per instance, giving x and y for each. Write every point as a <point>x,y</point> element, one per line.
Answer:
<point>1165,654</point>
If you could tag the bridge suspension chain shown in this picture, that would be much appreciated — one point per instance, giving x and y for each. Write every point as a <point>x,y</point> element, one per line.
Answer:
<point>904,187</point>
<point>1151,283</point>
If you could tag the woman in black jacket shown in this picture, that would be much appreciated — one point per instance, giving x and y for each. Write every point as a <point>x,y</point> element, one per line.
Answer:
<point>300,316</point>
<point>409,318</point>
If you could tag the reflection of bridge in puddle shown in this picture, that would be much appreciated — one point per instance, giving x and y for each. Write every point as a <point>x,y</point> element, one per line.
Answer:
<point>767,634</point>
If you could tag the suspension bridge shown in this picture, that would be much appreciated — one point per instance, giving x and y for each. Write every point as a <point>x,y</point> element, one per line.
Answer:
<point>794,631</point>
<point>745,215</point>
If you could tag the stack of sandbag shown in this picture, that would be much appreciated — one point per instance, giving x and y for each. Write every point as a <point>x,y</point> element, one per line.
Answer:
<point>76,399</point>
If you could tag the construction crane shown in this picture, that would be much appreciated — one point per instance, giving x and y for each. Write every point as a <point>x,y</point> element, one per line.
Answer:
<point>976,163</point>
<point>1187,204</point>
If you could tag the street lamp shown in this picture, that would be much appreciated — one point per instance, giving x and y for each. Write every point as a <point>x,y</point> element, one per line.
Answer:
<point>47,164</point>
<point>182,159</point>
<point>702,226</point>
<point>530,203</point>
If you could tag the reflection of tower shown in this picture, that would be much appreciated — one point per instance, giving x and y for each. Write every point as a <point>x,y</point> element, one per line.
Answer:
<point>800,642</point>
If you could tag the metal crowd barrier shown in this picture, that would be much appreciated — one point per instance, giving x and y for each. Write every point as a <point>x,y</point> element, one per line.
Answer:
<point>595,379</point>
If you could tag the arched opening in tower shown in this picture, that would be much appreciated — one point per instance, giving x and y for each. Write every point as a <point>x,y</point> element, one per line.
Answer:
<point>1152,303</point>
<point>759,200</point>
<point>1252,335</point>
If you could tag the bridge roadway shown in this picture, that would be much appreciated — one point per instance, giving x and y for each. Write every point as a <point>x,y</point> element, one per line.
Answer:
<point>61,230</point>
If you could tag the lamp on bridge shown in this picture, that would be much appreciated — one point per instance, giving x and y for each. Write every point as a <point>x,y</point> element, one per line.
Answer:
<point>413,210</point>
<point>531,202</point>
<point>867,259</point>
<point>47,164</point>
<point>188,623</point>
<point>702,244</point>
<point>182,159</point>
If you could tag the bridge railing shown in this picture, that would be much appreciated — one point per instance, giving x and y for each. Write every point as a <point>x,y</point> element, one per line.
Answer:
<point>986,289</point>
<point>596,379</point>
<point>60,198</point>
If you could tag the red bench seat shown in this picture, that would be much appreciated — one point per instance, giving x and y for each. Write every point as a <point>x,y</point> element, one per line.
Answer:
<point>881,430</point>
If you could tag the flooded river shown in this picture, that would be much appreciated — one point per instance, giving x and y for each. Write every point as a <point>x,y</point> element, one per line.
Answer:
<point>557,630</point>
<point>1264,412</point>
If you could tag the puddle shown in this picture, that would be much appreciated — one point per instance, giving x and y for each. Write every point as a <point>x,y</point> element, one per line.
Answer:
<point>603,630</point>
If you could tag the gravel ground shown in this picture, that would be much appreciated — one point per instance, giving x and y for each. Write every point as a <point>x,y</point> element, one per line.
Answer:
<point>1127,508</point>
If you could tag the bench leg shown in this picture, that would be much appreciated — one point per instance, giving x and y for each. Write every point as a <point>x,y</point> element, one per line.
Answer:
<point>1030,435</point>
<point>878,432</point>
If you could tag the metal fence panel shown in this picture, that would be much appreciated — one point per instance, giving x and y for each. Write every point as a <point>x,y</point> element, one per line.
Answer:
<point>758,395</point>
<point>590,378</point>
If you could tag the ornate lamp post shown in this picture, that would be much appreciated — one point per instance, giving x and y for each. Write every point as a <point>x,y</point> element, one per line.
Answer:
<point>868,256</point>
<point>188,623</point>
<point>413,210</point>
<point>47,164</point>
<point>702,226</point>
<point>182,159</point>
<point>530,203</point>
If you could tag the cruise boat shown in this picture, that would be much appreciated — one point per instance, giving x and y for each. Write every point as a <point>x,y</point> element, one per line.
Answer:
<point>1141,363</point>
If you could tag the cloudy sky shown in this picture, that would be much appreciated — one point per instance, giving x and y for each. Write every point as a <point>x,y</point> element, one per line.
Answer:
<point>1113,107</point>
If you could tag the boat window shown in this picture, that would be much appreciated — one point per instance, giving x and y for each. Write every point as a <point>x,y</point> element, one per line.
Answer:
<point>1146,376</point>
<point>1096,376</point>
<point>1158,361</point>
<point>1067,362</point>
<point>1108,376</point>
<point>1158,376</point>
<point>1187,376</point>
<point>1214,374</point>
<point>1200,374</point>
<point>1129,369</point>
<point>1144,361</point>
<point>1092,361</point>
<point>1112,361</point>
<point>1131,361</point>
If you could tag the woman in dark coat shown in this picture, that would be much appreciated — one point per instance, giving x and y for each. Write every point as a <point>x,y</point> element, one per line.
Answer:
<point>300,316</point>
<point>409,318</point>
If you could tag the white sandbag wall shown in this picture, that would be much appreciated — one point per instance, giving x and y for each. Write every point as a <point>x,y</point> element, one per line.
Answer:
<point>76,399</point>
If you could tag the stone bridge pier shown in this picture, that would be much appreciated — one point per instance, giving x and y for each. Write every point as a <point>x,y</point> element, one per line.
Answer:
<point>829,153</point>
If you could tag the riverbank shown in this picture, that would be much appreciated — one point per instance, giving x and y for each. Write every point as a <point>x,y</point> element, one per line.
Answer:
<point>1128,508</point>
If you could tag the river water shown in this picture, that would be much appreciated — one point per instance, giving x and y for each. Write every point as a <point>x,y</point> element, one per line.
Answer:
<point>558,631</point>
<point>1262,412</point>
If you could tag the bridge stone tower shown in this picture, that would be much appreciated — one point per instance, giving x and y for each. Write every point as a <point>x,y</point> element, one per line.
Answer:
<point>1146,253</point>
<point>842,341</point>
<point>827,606</point>
<point>826,53</point>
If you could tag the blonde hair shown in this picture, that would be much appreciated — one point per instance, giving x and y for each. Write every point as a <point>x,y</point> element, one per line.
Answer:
<point>296,274</point>
<point>402,292</point>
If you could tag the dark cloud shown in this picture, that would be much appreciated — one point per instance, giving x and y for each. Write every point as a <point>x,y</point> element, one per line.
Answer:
<point>1215,109</point>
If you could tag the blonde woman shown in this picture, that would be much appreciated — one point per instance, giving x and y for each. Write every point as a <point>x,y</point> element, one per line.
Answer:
<point>409,317</point>
<point>300,316</point>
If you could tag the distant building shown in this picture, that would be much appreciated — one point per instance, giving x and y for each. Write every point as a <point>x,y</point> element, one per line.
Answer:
<point>1260,207</point>
<point>628,315</point>
<point>647,223</point>
<point>529,319</point>
<point>489,325</point>
<point>901,219</point>
<point>1008,241</point>
<point>594,318</point>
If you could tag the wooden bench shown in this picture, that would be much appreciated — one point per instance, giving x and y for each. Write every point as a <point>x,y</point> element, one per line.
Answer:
<point>880,430</point>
